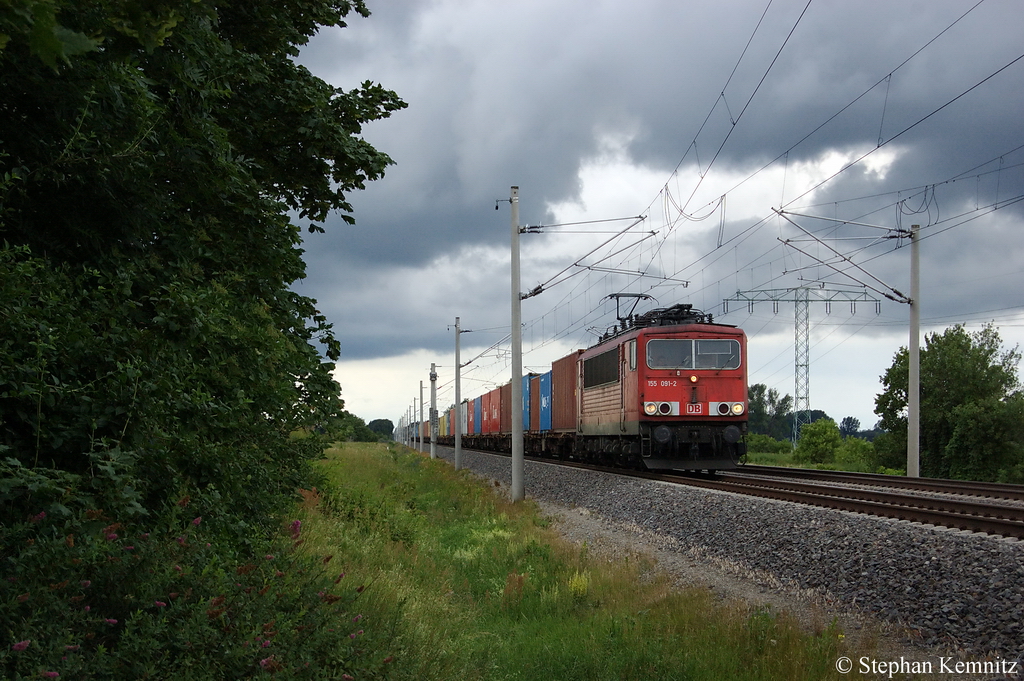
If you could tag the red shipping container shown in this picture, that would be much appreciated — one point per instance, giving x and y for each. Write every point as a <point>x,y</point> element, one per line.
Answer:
<point>564,376</point>
<point>493,404</point>
<point>505,409</point>
<point>485,413</point>
<point>470,419</point>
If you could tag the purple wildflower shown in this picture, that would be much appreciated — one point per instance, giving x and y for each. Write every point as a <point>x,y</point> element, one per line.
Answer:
<point>20,645</point>
<point>160,604</point>
<point>110,621</point>
<point>296,528</point>
<point>198,520</point>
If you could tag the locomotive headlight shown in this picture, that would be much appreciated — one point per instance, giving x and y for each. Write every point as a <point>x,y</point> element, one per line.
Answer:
<point>737,408</point>
<point>650,408</point>
<point>693,379</point>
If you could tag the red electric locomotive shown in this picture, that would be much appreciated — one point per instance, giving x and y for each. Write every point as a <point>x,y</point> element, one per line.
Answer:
<point>667,389</point>
<point>663,390</point>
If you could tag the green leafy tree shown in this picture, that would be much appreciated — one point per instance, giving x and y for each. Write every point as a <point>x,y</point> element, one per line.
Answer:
<point>383,427</point>
<point>769,413</point>
<point>150,157</point>
<point>155,360</point>
<point>855,454</point>
<point>849,426</point>
<point>970,406</point>
<point>818,443</point>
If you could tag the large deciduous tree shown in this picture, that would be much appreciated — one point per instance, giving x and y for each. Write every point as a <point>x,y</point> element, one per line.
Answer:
<point>971,407</point>
<point>152,155</point>
<point>769,412</point>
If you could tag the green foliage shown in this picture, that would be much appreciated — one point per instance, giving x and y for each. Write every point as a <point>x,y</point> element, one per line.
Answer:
<point>855,454</point>
<point>988,439</point>
<point>148,254</point>
<point>94,598</point>
<point>152,348</point>
<point>819,442</point>
<point>970,406</point>
<point>769,414</point>
<point>383,427</point>
<point>33,24</point>
<point>765,444</point>
<point>348,427</point>
<point>849,426</point>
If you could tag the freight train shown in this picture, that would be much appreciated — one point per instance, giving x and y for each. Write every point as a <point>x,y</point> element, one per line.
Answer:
<point>666,389</point>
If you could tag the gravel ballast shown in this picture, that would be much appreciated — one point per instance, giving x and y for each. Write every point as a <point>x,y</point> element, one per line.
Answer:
<point>955,590</point>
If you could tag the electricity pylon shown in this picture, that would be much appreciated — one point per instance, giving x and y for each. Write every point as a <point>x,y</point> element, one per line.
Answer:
<point>801,296</point>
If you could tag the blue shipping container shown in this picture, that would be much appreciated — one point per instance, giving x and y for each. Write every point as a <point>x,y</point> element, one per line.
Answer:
<point>545,401</point>
<point>526,403</point>
<point>477,416</point>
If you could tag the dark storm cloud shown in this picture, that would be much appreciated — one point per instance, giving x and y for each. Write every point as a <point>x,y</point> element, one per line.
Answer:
<point>525,94</point>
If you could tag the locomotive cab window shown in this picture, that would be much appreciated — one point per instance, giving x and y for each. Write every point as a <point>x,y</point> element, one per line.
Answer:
<point>685,353</point>
<point>670,353</point>
<point>718,354</point>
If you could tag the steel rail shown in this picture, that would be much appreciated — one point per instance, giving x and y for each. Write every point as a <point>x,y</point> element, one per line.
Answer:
<point>880,504</point>
<point>962,487</point>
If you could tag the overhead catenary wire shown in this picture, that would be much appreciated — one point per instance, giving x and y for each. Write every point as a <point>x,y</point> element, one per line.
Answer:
<point>579,318</point>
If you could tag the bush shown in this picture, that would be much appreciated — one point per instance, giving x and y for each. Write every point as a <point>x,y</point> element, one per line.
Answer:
<point>855,454</point>
<point>92,597</point>
<point>819,442</point>
<point>766,444</point>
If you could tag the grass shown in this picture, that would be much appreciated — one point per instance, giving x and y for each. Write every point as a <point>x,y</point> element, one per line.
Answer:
<point>463,584</point>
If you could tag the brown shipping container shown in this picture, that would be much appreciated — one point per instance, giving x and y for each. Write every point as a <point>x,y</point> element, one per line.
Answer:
<point>563,392</point>
<point>534,404</point>
<point>505,424</point>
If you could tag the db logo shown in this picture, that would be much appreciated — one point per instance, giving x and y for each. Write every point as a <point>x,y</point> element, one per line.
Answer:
<point>695,409</point>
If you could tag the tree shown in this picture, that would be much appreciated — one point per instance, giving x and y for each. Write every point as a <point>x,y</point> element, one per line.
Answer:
<point>150,157</point>
<point>383,427</point>
<point>849,426</point>
<point>818,442</point>
<point>969,405</point>
<point>768,413</point>
<point>157,369</point>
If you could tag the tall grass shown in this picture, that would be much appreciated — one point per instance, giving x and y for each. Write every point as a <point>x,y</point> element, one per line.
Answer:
<point>464,585</point>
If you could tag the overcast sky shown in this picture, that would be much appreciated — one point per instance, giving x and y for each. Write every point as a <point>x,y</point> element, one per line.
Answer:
<point>703,118</point>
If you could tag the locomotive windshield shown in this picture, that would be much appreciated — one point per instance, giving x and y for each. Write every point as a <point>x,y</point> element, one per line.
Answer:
<point>686,353</point>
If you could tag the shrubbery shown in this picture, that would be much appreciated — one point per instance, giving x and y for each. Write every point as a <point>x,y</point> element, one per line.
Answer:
<point>154,357</point>
<point>94,597</point>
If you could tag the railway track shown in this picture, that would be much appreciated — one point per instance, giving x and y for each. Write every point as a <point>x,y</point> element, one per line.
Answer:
<point>978,510</point>
<point>989,490</point>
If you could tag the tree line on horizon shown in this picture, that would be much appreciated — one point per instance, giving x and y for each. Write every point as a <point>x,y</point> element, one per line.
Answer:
<point>971,424</point>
